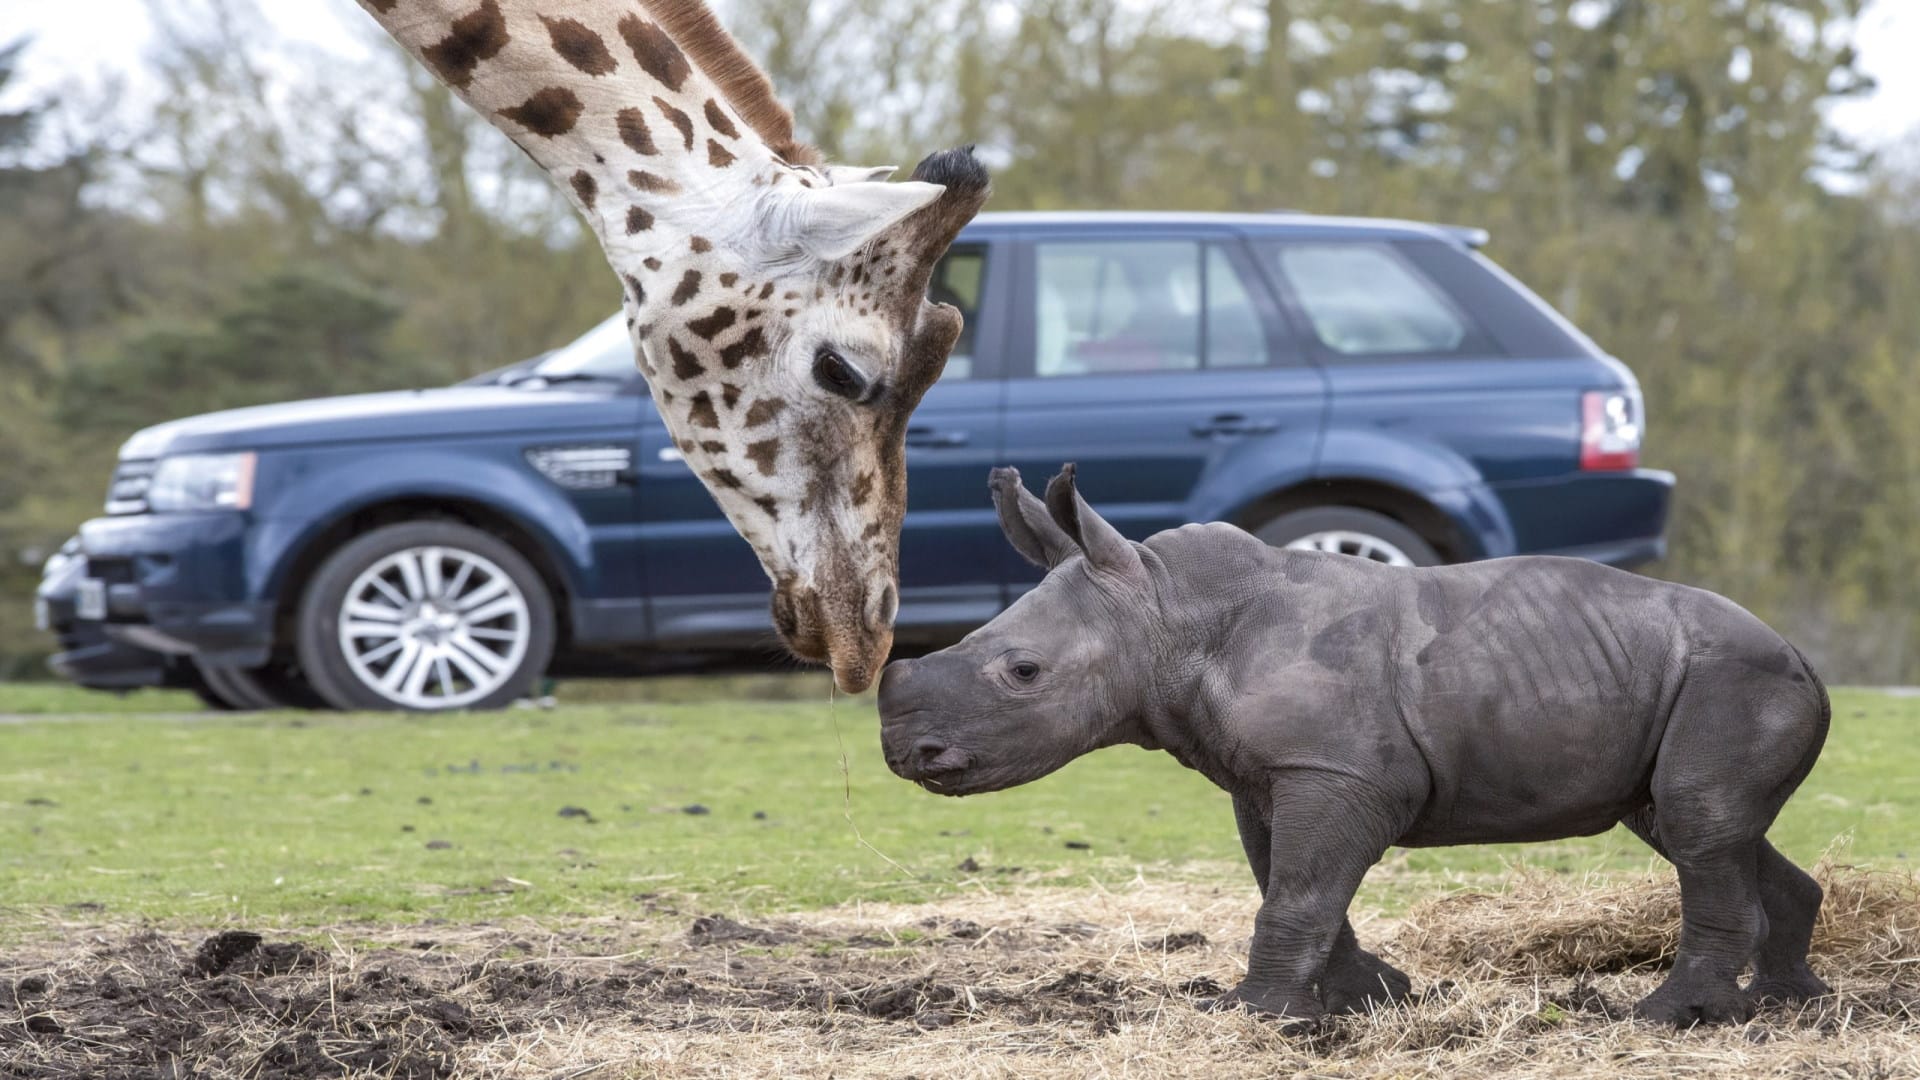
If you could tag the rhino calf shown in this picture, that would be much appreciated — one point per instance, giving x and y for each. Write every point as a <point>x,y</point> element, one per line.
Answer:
<point>1349,706</point>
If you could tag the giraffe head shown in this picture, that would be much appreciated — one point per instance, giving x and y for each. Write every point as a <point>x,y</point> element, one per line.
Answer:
<point>786,359</point>
<point>777,305</point>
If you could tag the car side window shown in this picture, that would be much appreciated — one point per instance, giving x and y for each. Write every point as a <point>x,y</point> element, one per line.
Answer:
<point>1124,307</point>
<point>1107,308</point>
<point>1236,337</point>
<point>958,280</point>
<point>1362,300</point>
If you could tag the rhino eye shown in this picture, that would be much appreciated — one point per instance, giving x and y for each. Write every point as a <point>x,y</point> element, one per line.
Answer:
<point>836,376</point>
<point>1025,671</point>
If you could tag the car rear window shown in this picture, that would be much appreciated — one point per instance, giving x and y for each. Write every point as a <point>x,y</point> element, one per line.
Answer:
<point>1512,315</point>
<point>1362,299</point>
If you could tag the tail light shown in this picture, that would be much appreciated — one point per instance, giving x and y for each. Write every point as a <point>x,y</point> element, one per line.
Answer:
<point>1610,430</point>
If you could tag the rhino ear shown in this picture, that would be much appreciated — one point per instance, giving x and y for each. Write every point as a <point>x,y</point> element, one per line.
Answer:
<point>1023,517</point>
<point>1105,548</point>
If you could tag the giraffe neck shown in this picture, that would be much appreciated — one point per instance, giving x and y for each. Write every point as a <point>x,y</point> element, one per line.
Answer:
<point>639,138</point>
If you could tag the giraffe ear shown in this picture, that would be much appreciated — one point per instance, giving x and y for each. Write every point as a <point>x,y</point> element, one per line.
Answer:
<point>832,223</point>
<point>859,174</point>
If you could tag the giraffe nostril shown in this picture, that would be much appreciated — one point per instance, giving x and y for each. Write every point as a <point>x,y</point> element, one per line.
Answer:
<point>883,603</point>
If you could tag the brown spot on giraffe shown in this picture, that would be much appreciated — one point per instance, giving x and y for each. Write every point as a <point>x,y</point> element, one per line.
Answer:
<point>638,220</point>
<point>686,366</point>
<point>580,46</point>
<point>766,290</point>
<point>549,112</point>
<point>639,292</point>
<point>727,279</point>
<point>862,489</point>
<point>768,506</point>
<point>650,263</point>
<point>678,119</point>
<point>700,245</point>
<point>709,326</point>
<point>717,120</point>
<point>764,411</point>
<point>478,35</point>
<point>584,187</point>
<point>632,125</point>
<point>688,288</point>
<point>752,345</point>
<point>764,454</point>
<point>718,156</point>
<point>656,52</point>
<point>701,413</point>
<point>384,7</point>
<point>714,446</point>
<point>730,394</point>
<point>648,182</point>
<point>725,478</point>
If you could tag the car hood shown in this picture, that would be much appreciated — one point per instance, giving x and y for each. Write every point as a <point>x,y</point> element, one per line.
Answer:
<point>406,414</point>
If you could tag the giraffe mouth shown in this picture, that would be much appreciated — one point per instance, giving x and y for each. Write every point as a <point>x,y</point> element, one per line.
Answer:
<point>855,648</point>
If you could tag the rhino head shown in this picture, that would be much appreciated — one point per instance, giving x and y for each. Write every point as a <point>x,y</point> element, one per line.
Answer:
<point>1060,672</point>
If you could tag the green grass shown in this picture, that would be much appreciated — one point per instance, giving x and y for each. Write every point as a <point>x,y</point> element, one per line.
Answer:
<point>306,819</point>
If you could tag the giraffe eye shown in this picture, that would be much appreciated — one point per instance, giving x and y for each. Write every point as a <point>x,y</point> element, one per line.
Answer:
<point>836,376</point>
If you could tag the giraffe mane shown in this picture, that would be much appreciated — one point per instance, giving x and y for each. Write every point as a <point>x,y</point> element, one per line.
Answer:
<point>699,34</point>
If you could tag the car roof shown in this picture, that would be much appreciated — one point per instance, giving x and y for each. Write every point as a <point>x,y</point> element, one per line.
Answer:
<point>1278,223</point>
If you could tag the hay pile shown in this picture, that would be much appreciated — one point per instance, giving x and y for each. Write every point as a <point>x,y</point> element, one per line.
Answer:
<point>1531,981</point>
<point>1543,924</point>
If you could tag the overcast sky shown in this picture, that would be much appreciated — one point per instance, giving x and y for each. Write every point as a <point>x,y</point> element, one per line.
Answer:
<point>84,38</point>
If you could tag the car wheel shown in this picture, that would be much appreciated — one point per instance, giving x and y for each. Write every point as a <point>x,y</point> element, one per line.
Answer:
<point>1346,530</point>
<point>273,686</point>
<point>425,616</point>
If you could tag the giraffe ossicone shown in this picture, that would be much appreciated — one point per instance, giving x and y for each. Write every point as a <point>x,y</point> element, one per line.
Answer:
<point>777,304</point>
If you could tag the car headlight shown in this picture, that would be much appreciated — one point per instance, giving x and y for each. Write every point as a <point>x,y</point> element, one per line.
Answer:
<point>202,482</point>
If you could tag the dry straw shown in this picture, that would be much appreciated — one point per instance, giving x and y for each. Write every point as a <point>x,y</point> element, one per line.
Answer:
<point>1529,981</point>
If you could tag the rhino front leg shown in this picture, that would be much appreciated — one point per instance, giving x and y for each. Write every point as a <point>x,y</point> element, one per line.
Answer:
<point>1325,831</point>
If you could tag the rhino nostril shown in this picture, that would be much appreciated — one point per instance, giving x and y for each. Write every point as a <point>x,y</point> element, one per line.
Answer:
<point>929,749</point>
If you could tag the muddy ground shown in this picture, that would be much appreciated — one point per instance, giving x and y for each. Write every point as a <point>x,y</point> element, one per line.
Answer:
<point>1537,981</point>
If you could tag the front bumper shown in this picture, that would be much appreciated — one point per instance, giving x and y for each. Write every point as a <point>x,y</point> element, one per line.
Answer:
<point>177,584</point>
<point>88,656</point>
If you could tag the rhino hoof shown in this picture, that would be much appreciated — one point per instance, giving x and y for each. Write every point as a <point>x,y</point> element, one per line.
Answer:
<point>1790,989</point>
<point>1367,984</point>
<point>1297,1014</point>
<point>1683,1006</point>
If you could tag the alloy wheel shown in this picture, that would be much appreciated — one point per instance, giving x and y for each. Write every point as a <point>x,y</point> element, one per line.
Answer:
<point>434,627</point>
<point>1348,542</point>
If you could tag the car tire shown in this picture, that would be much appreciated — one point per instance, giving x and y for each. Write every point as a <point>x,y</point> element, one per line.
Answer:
<point>260,689</point>
<point>425,616</point>
<point>1350,531</point>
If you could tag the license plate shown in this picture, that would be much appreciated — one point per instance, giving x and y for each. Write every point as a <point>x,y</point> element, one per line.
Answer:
<point>91,600</point>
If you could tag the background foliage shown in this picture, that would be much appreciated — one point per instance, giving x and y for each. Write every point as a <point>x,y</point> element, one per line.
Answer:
<point>1661,170</point>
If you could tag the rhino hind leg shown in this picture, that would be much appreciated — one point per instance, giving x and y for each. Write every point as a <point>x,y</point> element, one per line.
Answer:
<point>1357,980</point>
<point>1791,899</point>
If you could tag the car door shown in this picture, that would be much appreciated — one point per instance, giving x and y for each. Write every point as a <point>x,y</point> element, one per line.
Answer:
<point>705,584</point>
<point>1154,361</point>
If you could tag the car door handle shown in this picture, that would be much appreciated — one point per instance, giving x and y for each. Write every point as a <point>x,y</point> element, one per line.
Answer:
<point>933,437</point>
<point>1234,424</point>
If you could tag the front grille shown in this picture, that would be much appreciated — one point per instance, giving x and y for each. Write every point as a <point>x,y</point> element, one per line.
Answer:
<point>128,493</point>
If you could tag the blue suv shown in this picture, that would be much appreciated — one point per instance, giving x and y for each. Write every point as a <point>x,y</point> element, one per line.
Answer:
<point>1377,388</point>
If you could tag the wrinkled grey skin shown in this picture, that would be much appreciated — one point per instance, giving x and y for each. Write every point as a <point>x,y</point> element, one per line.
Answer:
<point>1349,706</point>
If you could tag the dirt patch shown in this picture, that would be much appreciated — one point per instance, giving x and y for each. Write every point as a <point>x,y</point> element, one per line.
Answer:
<point>1053,982</point>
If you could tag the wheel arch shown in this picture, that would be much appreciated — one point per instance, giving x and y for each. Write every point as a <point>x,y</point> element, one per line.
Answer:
<point>1409,508</point>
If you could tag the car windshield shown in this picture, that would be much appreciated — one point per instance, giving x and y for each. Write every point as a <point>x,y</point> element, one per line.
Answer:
<point>604,352</point>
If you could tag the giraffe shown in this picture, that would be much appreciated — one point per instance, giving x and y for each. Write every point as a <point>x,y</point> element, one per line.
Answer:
<point>777,304</point>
